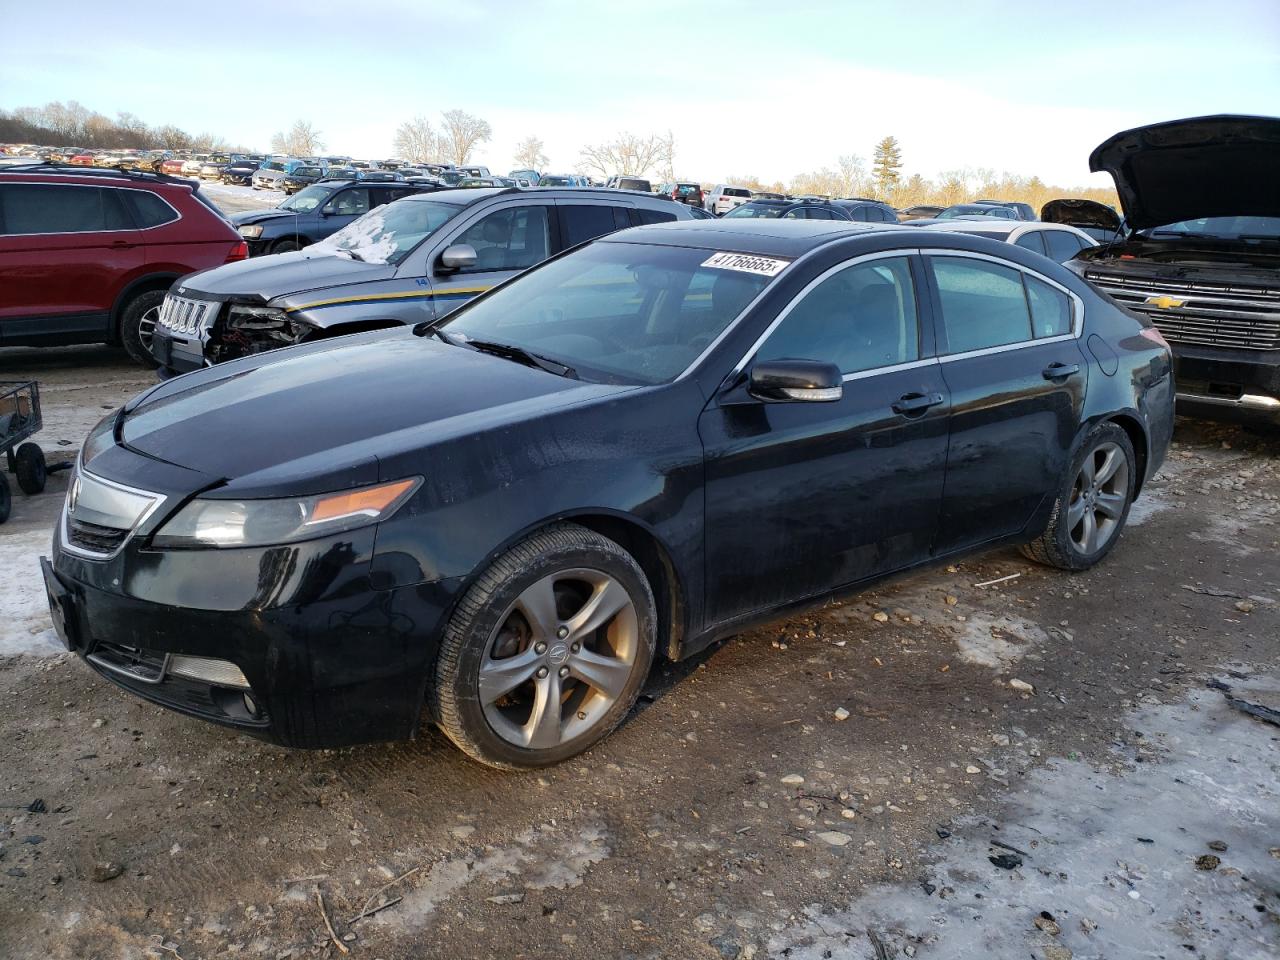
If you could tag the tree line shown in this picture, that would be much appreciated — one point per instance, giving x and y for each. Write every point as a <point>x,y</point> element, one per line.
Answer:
<point>457,136</point>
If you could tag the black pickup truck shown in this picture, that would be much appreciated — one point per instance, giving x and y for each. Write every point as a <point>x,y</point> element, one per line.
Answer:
<point>1201,255</point>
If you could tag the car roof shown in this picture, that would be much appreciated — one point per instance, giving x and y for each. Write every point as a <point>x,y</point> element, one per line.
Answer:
<point>777,238</point>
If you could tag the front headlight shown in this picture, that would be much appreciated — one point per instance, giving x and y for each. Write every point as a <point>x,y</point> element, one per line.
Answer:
<point>262,523</point>
<point>251,232</point>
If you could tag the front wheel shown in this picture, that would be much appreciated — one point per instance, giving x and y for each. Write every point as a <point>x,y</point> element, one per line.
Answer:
<point>546,652</point>
<point>286,246</point>
<point>1093,503</point>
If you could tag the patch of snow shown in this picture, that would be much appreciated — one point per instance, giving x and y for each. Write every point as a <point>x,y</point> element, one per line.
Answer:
<point>1109,853</point>
<point>365,239</point>
<point>997,641</point>
<point>1146,507</point>
<point>24,610</point>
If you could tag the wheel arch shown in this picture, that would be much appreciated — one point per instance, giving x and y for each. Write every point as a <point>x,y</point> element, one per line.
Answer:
<point>145,284</point>
<point>1132,424</point>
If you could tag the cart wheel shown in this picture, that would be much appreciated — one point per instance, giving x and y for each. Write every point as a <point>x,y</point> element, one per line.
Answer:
<point>30,468</point>
<point>6,499</point>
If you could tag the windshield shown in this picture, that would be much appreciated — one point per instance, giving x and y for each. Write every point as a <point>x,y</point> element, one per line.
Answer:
<point>556,182</point>
<point>1221,228</point>
<point>272,165</point>
<point>307,172</point>
<point>977,209</point>
<point>767,211</point>
<point>387,234</point>
<point>616,312</point>
<point>306,199</point>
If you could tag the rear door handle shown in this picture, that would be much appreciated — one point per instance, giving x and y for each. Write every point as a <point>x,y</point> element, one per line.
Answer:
<point>916,403</point>
<point>1060,371</point>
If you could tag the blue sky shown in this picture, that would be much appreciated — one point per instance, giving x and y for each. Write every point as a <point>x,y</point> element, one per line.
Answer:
<point>771,89</point>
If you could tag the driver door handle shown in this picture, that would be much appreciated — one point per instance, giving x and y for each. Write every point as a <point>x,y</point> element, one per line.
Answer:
<point>916,403</point>
<point>1060,371</point>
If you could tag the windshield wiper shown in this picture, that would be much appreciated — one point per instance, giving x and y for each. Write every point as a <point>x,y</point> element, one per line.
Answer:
<point>437,332</point>
<point>521,355</point>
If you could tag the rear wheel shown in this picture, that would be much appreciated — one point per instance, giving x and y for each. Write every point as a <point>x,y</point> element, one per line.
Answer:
<point>138,325</point>
<point>547,651</point>
<point>30,468</point>
<point>6,498</point>
<point>1093,503</point>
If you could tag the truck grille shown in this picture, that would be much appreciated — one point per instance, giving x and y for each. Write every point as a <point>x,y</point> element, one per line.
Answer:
<point>185,316</point>
<point>1211,314</point>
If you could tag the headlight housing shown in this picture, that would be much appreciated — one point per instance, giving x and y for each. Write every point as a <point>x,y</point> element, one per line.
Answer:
<point>251,231</point>
<point>262,523</point>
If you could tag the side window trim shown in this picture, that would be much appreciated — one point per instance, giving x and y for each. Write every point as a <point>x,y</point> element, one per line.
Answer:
<point>906,253</point>
<point>1077,305</point>
<point>97,186</point>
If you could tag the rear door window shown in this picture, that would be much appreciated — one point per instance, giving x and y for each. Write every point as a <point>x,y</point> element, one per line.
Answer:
<point>983,304</point>
<point>35,208</point>
<point>1034,240</point>
<point>580,222</point>
<point>1062,245</point>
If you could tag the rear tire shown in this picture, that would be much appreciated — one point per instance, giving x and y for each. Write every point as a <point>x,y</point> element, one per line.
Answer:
<point>564,621</point>
<point>1093,502</point>
<point>30,468</point>
<point>6,498</point>
<point>137,324</point>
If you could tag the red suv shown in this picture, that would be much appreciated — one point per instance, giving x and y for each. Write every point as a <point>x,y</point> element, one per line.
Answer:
<point>87,255</point>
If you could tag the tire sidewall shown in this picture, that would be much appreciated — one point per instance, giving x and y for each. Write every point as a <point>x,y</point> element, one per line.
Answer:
<point>1106,432</point>
<point>480,628</point>
<point>130,323</point>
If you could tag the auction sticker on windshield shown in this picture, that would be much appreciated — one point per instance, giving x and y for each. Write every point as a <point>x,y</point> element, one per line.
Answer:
<point>746,263</point>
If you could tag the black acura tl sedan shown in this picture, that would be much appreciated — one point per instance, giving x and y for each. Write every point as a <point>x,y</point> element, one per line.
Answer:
<point>642,445</point>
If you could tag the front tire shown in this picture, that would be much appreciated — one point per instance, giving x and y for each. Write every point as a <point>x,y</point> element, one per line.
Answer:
<point>1093,502</point>
<point>547,651</point>
<point>286,246</point>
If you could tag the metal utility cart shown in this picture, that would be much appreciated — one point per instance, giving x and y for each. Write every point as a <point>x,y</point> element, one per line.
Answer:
<point>19,419</point>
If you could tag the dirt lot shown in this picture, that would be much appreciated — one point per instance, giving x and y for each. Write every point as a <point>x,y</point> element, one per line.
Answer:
<point>1107,804</point>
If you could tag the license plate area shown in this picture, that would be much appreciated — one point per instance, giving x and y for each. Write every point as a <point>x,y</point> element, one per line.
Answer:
<point>60,611</point>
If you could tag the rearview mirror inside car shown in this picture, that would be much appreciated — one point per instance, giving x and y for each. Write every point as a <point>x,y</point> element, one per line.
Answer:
<point>459,256</point>
<point>796,380</point>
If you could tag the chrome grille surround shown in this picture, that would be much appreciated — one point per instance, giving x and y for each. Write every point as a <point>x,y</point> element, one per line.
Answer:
<point>99,516</point>
<point>188,317</point>
<point>1211,314</point>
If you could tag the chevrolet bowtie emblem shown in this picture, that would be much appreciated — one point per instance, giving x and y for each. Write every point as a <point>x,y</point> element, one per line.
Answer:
<point>1165,303</point>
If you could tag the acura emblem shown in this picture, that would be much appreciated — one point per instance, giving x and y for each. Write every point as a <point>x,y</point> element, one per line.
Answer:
<point>1165,302</point>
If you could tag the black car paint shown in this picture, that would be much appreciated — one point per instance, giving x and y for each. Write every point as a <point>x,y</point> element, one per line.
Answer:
<point>337,636</point>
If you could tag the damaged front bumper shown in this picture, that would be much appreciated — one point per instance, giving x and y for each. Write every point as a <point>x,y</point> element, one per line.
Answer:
<point>234,330</point>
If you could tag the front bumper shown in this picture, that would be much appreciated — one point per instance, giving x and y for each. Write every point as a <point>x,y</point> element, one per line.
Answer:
<point>335,663</point>
<point>176,354</point>
<point>1220,383</point>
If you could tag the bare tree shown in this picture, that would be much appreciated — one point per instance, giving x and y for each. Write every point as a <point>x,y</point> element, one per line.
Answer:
<point>302,140</point>
<point>529,155</point>
<point>416,141</point>
<point>630,153</point>
<point>461,133</point>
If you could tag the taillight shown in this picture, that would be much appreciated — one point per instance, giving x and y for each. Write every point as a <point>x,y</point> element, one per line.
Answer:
<point>239,252</point>
<point>1155,336</point>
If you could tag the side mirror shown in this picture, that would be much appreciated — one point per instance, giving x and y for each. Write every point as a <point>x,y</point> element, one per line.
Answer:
<point>796,380</point>
<point>459,256</point>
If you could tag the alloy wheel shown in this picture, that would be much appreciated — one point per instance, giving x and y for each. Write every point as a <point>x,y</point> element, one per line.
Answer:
<point>147,326</point>
<point>561,656</point>
<point>1098,498</point>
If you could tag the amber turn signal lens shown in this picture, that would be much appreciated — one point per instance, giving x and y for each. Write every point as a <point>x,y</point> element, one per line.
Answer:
<point>369,502</point>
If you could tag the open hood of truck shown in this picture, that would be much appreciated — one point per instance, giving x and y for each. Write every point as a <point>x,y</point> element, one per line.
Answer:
<point>1221,166</point>
<point>1080,213</point>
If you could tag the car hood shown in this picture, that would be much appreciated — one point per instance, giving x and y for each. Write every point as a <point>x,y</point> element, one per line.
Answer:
<point>315,411</point>
<point>265,278</point>
<point>245,217</point>
<point>1219,166</point>
<point>1080,213</point>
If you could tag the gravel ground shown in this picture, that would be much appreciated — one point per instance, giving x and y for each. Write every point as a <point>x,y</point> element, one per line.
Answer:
<point>1046,768</point>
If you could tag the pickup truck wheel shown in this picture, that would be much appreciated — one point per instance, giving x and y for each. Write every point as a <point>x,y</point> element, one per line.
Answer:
<point>1093,502</point>
<point>6,498</point>
<point>286,246</point>
<point>546,652</point>
<point>138,323</point>
<point>30,468</point>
